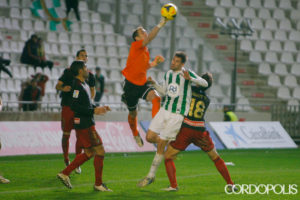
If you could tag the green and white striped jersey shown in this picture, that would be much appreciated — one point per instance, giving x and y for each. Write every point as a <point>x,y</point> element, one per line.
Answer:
<point>177,92</point>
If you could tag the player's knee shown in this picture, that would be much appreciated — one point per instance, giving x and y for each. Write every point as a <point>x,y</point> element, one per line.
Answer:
<point>133,114</point>
<point>213,154</point>
<point>66,133</point>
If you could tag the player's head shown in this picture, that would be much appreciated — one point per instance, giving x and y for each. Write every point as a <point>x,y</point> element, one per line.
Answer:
<point>82,55</point>
<point>208,77</point>
<point>98,70</point>
<point>79,69</point>
<point>178,61</point>
<point>34,38</point>
<point>139,34</point>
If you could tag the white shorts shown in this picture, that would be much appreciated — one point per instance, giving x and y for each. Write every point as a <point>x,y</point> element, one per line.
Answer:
<point>166,124</point>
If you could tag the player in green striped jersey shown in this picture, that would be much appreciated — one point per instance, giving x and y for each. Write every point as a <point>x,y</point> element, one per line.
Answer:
<point>167,122</point>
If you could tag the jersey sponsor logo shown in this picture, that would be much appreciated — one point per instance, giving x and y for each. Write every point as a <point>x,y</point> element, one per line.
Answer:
<point>75,93</point>
<point>76,120</point>
<point>173,90</point>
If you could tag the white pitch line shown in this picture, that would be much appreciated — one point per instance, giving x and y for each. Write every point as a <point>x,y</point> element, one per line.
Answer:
<point>136,180</point>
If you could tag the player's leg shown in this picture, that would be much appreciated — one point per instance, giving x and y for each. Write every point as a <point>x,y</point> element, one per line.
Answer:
<point>2,179</point>
<point>65,146</point>
<point>155,99</point>
<point>220,165</point>
<point>170,155</point>
<point>67,117</point>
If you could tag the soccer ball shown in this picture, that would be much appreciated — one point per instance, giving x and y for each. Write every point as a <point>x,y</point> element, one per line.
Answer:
<point>169,11</point>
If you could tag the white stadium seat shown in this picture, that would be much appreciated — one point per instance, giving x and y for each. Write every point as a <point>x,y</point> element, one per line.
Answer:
<point>296,93</point>
<point>274,81</point>
<point>295,69</point>
<point>270,4</point>
<point>285,4</point>
<point>220,12</point>
<point>285,24</point>
<point>264,68</point>
<point>240,3</point>
<point>226,3</point>
<point>290,46</point>
<point>264,13</point>
<point>216,91</point>
<point>249,13</point>
<point>224,79</point>
<point>255,57</point>
<point>280,69</point>
<point>280,35</point>
<point>260,45</point>
<point>275,45</point>
<point>283,93</point>
<point>271,57</point>
<point>290,81</point>
<point>255,4</point>
<point>287,57</point>
<point>278,14</point>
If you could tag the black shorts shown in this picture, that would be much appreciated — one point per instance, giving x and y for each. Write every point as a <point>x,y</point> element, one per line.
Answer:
<point>132,94</point>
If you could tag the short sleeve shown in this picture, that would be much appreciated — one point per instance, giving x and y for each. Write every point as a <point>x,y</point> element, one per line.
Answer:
<point>63,78</point>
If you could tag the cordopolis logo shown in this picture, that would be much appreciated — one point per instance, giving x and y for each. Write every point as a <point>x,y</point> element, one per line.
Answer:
<point>263,189</point>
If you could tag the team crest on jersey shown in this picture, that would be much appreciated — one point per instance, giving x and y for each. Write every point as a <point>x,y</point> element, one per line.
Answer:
<point>75,93</point>
<point>173,90</point>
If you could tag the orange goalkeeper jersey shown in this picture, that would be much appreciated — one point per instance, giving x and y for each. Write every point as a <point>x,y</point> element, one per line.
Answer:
<point>137,63</point>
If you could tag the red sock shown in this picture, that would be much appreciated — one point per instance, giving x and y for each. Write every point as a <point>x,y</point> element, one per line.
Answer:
<point>171,171</point>
<point>98,165</point>
<point>155,106</point>
<point>220,165</point>
<point>78,147</point>
<point>79,160</point>
<point>133,125</point>
<point>65,147</point>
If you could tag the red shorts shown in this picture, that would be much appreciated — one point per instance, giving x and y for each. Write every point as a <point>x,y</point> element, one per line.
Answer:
<point>186,136</point>
<point>67,119</point>
<point>88,137</point>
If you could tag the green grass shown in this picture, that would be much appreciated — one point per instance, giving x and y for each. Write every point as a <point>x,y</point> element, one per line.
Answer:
<point>34,177</point>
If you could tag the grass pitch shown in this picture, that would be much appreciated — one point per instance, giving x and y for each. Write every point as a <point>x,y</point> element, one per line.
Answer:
<point>34,177</point>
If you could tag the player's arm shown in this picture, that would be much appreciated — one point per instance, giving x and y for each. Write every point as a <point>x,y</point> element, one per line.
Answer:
<point>92,83</point>
<point>193,77</point>
<point>59,86</point>
<point>159,88</point>
<point>157,60</point>
<point>154,31</point>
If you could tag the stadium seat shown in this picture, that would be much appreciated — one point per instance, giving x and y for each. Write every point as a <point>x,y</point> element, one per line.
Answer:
<point>110,40</point>
<point>295,15</point>
<point>220,12</point>
<point>121,40</point>
<point>115,75</point>
<point>298,58</point>
<point>75,48</point>
<point>3,87</point>
<point>264,13</point>
<point>294,36</point>
<point>257,24</point>
<point>271,57</point>
<point>104,8</point>
<point>26,13</point>
<point>290,46</point>
<point>224,80</point>
<point>127,30</point>
<point>275,45</point>
<point>283,93</point>
<point>296,93</point>
<point>246,45</point>
<point>97,28</point>
<point>63,37</point>
<point>27,25</point>
<point>83,6</point>
<point>75,38</point>
<point>133,20</point>
<point>280,69</point>
<point>15,24</point>
<point>270,4</point>
<point>7,23</point>
<point>249,13</point>
<point>85,16</point>
<point>243,104</point>
<point>112,51</point>
<point>75,27</point>
<point>155,10</point>
<point>226,3</point>
<point>264,68</point>
<point>108,29</point>
<point>102,62</point>
<point>137,9</point>
<point>293,105</point>
<point>100,51</point>
<point>85,28</point>
<point>14,47</point>
<point>54,49</point>
<point>254,36</point>
<point>235,12</point>
<point>98,40</point>
<point>114,63</point>
<point>95,18</point>
<point>15,13</point>
<point>39,25</point>
<point>51,37</point>
<point>211,3</point>
<point>123,62</point>
<point>124,9</point>
<point>216,67</point>
<point>216,91</point>
<point>6,46</point>
<point>64,49</point>
<point>123,51</point>
<point>255,57</point>
<point>285,24</point>
<point>240,3</point>
<point>280,35</point>
<point>287,57</point>
<point>295,69</point>
<point>3,3</point>
<point>118,89</point>
<point>14,3</point>
<point>290,81</point>
<point>271,24</point>
<point>278,14</point>
<point>285,4</point>
<point>274,81</point>
<point>237,92</point>
<point>90,50</point>
<point>255,4</point>
<point>260,45</point>
<point>87,39</point>
<point>23,72</point>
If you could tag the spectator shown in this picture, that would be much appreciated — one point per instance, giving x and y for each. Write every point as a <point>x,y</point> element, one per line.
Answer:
<point>31,93</point>
<point>4,62</point>
<point>73,4</point>
<point>41,81</point>
<point>100,82</point>
<point>42,55</point>
<point>229,115</point>
<point>31,55</point>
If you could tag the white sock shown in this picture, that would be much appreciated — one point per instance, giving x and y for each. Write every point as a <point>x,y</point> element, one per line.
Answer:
<point>155,163</point>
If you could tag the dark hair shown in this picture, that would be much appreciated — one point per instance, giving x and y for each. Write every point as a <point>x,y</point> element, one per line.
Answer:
<point>78,52</point>
<point>181,55</point>
<point>98,68</point>
<point>76,66</point>
<point>208,78</point>
<point>136,33</point>
<point>34,36</point>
